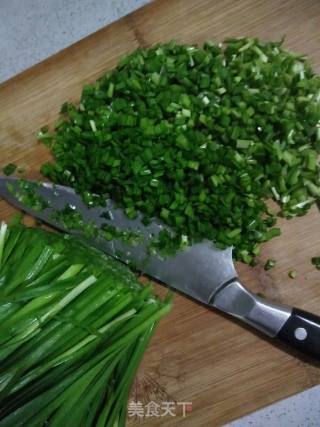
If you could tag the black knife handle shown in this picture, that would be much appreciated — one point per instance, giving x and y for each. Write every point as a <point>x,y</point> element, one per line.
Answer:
<point>296,328</point>
<point>302,331</point>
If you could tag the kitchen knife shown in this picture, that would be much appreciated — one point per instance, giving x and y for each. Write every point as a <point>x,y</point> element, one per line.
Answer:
<point>201,271</point>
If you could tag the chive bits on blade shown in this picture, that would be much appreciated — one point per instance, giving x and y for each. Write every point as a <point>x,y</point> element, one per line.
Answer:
<point>200,136</point>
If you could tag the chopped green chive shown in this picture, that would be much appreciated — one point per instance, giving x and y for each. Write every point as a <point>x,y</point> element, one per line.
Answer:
<point>243,143</point>
<point>292,274</point>
<point>9,169</point>
<point>200,136</point>
<point>270,263</point>
<point>316,262</point>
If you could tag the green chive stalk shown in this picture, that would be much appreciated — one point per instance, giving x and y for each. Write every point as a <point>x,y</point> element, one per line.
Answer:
<point>74,327</point>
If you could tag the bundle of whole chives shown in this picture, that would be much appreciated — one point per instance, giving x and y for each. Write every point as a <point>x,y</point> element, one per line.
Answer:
<point>74,325</point>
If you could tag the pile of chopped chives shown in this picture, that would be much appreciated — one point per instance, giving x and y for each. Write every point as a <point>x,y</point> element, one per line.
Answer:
<point>200,136</point>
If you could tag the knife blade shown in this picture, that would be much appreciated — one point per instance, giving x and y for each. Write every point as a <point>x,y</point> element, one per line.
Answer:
<point>201,271</point>
<point>198,271</point>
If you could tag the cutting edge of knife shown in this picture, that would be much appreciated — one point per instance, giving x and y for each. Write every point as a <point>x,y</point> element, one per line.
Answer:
<point>200,271</point>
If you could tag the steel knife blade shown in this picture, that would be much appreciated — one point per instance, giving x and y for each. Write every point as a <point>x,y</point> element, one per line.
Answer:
<point>201,271</point>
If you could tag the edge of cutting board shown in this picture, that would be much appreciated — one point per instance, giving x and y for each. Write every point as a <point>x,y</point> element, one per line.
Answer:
<point>196,355</point>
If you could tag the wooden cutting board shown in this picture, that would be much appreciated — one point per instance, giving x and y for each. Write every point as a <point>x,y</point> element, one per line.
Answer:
<point>197,355</point>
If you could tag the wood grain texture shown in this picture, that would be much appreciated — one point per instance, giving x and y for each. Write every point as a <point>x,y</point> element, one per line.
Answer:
<point>196,355</point>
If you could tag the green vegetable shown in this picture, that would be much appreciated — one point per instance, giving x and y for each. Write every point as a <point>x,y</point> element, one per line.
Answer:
<point>270,263</point>
<point>9,169</point>
<point>70,219</point>
<point>292,274</point>
<point>74,325</point>
<point>316,262</point>
<point>27,194</point>
<point>200,136</point>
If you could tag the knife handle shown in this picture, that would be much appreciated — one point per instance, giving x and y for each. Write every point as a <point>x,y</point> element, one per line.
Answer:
<point>294,327</point>
<point>302,331</point>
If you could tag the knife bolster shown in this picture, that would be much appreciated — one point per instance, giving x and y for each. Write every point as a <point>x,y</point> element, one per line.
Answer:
<point>266,316</point>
